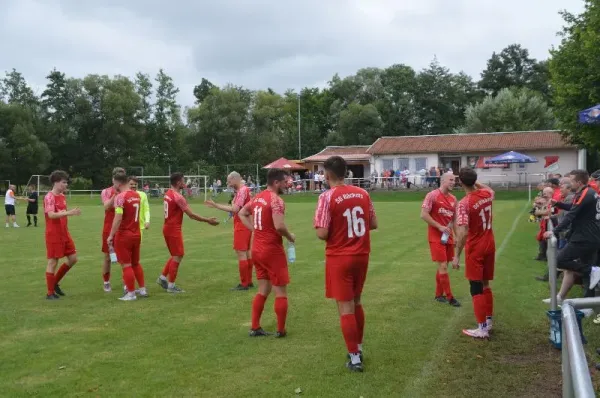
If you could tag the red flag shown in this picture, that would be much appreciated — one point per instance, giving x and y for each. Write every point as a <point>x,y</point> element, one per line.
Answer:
<point>550,160</point>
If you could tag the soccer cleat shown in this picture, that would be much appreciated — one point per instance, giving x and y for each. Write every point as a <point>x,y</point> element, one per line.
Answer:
<point>251,286</point>
<point>142,293</point>
<point>360,354</point>
<point>594,277</point>
<point>489,324</point>
<point>280,335</point>
<point>239,288</point>
<point>58,290</point>
<point>15,225</point>
<point>454,302</point>
<point>441,299</point>
<point>128,297</point>
<point>107,287</point>
<point>175,290</point>
<point>52,296</point>
<point>355,367</point>
<point>162,283</point>
<point>260,332</point>
<point>477,333</point>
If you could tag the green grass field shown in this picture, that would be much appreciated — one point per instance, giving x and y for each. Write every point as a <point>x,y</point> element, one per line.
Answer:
<point>196,344</point>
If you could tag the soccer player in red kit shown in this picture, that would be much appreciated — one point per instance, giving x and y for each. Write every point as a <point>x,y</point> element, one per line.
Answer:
<point>125,236</point>
<point>344,218</point>
<point>58,239</point>
<point>108,196</point>
<point>175,206</point>
<point>264,215</point>
<point>438,212</point>
<point>241,235</point>
<point>474,228</point>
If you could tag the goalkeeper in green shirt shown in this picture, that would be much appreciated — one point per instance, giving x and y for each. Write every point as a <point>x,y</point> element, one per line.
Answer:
<point>144,206</point>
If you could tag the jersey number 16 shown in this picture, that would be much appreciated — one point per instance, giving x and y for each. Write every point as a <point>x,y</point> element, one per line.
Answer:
<point>356,222</point>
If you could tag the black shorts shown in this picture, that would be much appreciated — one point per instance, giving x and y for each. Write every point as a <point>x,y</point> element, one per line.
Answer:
<point>10,210</point>
<point>32,209</point>
<point>577,257</point>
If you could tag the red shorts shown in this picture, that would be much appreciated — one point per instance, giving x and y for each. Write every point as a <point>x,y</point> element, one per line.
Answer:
<point>345,276</point>
<point>441,253</point>
<point>127,249</point>
<point>104,244</point>
<point>272,267</point>
<point>175,245</point>
<point>60,249</point>
<point>479,265</point>
<point>241,239</point>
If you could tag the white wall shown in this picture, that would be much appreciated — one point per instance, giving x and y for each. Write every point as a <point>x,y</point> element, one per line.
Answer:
<point>378,161</point>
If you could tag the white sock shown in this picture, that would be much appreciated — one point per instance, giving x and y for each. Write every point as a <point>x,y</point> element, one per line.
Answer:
<point>482,326</point>
<point>488,319</point>
<point>354,358</point>
<point>171,285</point>
<point>162,277</point>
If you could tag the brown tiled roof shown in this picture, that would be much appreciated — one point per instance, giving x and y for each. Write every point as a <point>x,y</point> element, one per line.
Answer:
<point>492,142</point>
<point>349,153</point>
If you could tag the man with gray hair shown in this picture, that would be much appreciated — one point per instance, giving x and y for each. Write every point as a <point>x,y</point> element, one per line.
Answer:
<point>241,235</point>
<point>9,206</point>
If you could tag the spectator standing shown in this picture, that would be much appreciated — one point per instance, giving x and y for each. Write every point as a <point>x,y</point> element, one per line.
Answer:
<point>32,206</point>
<point>9,207</point>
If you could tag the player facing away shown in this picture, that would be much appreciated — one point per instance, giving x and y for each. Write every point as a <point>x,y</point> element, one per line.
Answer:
<point>125,237</point>
<point>438,212</point>
<point>32,206</point>
<point>241,235</point>
<point>108,196</point>
<point>175,206</point>
<point>474,228</point>
<point>344,218</point>
<point>264,215</point>
<point>58,239</point>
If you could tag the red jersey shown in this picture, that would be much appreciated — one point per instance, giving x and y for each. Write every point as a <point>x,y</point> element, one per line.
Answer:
<point>594,185</point>
<point>475,211</point>
<point>56,228</point>
<point>441,208</point>
<point>241,199</point>
<point>346,211</point>
<point>263,207</point>
<point>128,204</point>
<point>174,205</point>
<point>109,215</point>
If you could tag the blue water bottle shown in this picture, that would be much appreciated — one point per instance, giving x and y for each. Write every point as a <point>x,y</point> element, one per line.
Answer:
<point>291,252</point>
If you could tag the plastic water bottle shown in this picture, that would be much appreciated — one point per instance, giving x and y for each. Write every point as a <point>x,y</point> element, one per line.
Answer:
<point>112,254</point>
<point>291,252</point>
<point>445,237</point>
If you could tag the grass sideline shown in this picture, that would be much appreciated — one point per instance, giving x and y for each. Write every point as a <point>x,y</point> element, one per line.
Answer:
<point>196,344</point>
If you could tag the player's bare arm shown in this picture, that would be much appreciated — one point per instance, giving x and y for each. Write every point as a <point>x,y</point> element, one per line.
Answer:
<point>426,216</point>
<point>115,226</point>
<point>461,232</point>
<point>279,223</point>
<point>209,220</point>
<point>374,224</point>
<point>480,185</point>
<point>227,208</point>
<point>65,213</point>
<point>322,233</point>
<point>246,218</point>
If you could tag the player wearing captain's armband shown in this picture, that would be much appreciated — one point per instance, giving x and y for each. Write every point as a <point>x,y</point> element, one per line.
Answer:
<point>438,212</point>
<point>474,229</point>
<point>344,218</point>
<point>108,196</point>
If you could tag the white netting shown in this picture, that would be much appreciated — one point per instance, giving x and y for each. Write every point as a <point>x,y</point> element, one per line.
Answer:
<point>156,186</point>
<point>41,183</point>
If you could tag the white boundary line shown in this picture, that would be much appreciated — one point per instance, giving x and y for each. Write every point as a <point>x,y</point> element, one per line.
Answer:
<point>415,386</point>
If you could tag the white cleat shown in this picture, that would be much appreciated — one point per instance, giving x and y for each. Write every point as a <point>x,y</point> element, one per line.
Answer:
<point>128,297</point>
<point>489,325</point>
<point>16,226</point>
<point>594,277</point>
<point>477,333</point>
<point>559,300</point>
<point>175,290</point>
<point>142,292</point>
<point>107,287</point>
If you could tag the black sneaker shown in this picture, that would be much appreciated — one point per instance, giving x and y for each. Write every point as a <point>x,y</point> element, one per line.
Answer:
<point>454,302</point>
<point>542,278</point>
<point>355,367</point>
<point>280,335</point>
<point>28,225</point>
<point>162,283</point>
<point>52,296</point>
<point>239,288</point>
<point>251,286</point>
<point>58,290</point>
<point>441,299</point>
<point>258,333</point>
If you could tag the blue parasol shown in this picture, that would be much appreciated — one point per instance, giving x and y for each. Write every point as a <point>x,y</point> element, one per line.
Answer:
<point>511,157</point>
<point>590,115</point>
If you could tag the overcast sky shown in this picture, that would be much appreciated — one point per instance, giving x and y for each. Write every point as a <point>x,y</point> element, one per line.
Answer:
<point>266,43</point>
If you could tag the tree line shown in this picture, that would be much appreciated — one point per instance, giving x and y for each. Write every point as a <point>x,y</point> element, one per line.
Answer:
<point>87,125</point>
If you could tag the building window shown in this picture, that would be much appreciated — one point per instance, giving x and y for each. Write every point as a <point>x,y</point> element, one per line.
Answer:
<point>403,163</point>
<point>521,166</point>
<point>508,167</point>
<point>420,164</point>
<point>387,164</point>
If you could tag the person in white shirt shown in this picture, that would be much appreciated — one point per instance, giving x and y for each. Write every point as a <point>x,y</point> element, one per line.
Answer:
<point>9,206</point>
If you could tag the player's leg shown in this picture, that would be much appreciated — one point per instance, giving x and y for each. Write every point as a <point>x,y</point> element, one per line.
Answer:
<point>280,306</point>
<point>258,303</point>
<point>250,267</point>
<point>242,258</point>
<point>359,313</point>
<point>7,215</point>
<point>124,251</point>
<point>50,269</point>
<point>475,274</point>
<point>138,271</point>
<point>488,275</point>
<point>28,215</point>
<point>437,257</point>
<point>445,276</point>
<point>106,264</point>
<point>162,280</point>
<point>71,254</point>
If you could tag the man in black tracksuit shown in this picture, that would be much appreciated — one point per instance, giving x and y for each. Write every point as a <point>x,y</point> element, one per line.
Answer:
<point>583,217</point>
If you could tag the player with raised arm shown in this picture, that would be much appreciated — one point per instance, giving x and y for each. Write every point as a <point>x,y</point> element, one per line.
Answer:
<point>474,229</point>
<point>175,206</point>
<point>438,212</point>
<point>264,215</point>
<point>125,236</point>
<point>108,196</point>
<point>59,243</point>
<point>344,218</point>
<point>241,235</point>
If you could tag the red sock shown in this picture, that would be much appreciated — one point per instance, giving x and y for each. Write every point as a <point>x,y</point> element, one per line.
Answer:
<point>129,279</point>
<point>439,290</point>
<point>166,268</point>
<point>173,271</point>
<point>62,271</point>
<point>489,302</point>
<point>50,283</point>
<point>138,271</point>
<point>258,305</point>
<point>350,332</point>
<point>445,282</point>
<point>359,314</point>
<point>281,308</point>
<point>479,307</point>
<point>250,266</point>
<point>106,276</point>
<point>243,269</point>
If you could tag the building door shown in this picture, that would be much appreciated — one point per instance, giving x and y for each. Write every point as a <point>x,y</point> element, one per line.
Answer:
<point>451,163</point>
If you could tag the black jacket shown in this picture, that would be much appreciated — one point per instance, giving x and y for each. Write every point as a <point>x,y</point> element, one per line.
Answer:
<point>583,217</point>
